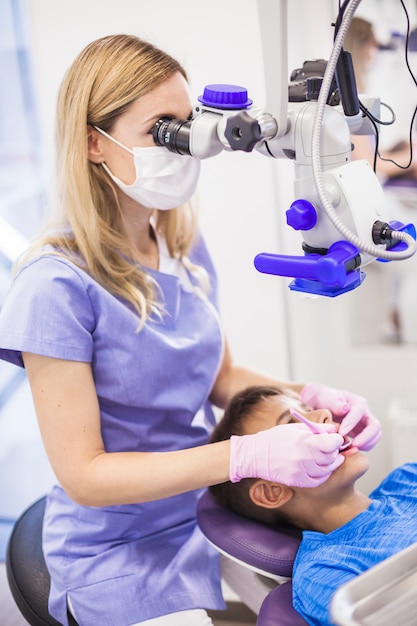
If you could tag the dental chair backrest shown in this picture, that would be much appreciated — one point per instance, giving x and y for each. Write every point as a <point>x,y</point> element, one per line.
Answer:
<point>270,552</point>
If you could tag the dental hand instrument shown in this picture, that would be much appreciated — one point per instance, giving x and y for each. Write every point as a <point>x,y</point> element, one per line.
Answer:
<point>316,428</point>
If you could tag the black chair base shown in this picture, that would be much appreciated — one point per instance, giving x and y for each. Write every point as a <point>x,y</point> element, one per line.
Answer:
<point>27,574</point>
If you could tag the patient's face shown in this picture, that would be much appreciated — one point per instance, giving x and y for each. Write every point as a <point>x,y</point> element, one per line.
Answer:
<point>274,410</point>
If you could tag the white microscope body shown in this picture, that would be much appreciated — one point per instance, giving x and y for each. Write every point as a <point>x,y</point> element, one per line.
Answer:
<point>340,208</point>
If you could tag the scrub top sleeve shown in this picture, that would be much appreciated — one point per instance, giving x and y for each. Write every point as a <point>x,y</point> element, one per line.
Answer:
<point>47,312</point>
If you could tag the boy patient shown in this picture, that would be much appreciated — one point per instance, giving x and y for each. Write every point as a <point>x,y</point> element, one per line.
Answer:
<point>345,532</point>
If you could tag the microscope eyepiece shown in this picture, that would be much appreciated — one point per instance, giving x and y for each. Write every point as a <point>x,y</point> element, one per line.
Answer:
<point>173,134</point>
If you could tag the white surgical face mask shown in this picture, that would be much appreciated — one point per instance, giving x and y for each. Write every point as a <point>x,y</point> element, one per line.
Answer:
<point>164,180</point>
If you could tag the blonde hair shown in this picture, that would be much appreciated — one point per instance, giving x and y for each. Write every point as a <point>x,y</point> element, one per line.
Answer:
<point>104,80</point>
<point>359,38</point>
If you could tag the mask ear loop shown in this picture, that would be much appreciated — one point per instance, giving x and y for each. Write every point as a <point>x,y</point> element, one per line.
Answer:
<point>119,143</point>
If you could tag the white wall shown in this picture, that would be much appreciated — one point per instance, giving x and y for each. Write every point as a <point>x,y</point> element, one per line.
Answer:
<point>243,197</point>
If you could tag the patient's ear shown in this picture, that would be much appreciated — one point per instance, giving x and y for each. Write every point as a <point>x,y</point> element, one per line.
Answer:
<point>270,495</point>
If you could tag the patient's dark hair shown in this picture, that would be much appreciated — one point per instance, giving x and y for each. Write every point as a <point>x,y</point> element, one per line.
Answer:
<point>235,496</point>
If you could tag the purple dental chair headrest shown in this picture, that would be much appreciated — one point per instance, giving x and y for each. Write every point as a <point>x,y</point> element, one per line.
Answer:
<point>270,551</point>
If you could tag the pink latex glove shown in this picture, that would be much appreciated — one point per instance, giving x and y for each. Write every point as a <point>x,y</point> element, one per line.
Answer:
<point>288,454</point>
<point>357,419</point>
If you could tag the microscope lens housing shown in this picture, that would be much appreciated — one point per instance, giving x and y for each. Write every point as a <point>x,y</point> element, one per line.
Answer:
<point>173,134</point>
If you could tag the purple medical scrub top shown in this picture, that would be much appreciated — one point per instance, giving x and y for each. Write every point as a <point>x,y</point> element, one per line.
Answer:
<point>125,564</point>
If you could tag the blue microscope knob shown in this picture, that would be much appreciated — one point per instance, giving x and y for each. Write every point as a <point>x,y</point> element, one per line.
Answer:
<point>301,215</point>
<point>225,97</point>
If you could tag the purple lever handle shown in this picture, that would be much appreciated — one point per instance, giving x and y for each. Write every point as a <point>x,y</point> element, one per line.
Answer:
<point>330,269</point>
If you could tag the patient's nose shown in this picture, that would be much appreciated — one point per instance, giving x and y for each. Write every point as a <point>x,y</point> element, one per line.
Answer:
<point>320,416</point>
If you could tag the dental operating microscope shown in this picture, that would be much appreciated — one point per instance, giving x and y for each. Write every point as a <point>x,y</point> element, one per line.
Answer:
<point>340,209</point>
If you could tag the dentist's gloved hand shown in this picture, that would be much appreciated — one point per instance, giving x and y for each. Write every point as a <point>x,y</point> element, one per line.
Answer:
<point>290,454</point>
<point>357,420</point>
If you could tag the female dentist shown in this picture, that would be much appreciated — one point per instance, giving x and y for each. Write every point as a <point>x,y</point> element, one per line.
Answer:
<point>113,313</point>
